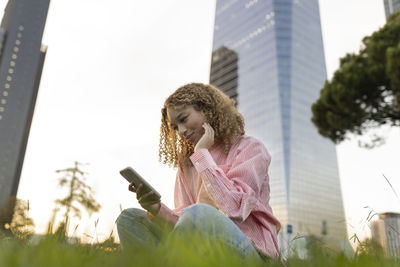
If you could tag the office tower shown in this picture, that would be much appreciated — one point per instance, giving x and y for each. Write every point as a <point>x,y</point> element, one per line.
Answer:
<point>386,232</point>
<point>224,71</point>
<point>280,69</point>
<point>391,6</point>
<point>21,62</point>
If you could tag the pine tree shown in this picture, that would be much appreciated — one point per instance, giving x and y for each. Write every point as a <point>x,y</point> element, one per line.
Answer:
<point>364,92</point>
<point>80,195</point>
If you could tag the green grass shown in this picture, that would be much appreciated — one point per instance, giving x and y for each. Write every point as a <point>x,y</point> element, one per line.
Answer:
<point>183,252</point>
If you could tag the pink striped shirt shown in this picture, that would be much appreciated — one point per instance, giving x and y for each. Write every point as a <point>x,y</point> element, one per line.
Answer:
<point>237,184</point>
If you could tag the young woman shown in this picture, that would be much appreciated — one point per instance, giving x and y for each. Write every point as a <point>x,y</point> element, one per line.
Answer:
<point>222,183</point>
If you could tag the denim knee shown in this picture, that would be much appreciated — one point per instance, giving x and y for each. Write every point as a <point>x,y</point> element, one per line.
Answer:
<point>130,215</point>
<point>199,209</point>
<point>135,229</point>
<point>198,216</point>
<point>214,226</point>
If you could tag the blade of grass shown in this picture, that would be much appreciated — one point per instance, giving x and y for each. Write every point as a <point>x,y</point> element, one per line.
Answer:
<point>394,191</point>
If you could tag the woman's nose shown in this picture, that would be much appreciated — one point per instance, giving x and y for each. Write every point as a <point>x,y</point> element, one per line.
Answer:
<point>181,129</point>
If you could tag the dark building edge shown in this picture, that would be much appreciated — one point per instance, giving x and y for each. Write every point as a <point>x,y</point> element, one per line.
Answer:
<point>31,111</point>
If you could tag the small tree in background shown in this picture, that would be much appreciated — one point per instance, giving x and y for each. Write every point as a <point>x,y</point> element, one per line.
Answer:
<point>80,195</point>
<point>364,92</point>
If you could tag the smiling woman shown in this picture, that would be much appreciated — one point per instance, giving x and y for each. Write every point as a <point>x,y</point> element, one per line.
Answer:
<point>203,104</point>
<point>222,184</point>
<point>188,121</point>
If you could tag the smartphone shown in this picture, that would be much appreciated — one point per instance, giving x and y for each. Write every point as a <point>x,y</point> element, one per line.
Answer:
<point>132,176</point>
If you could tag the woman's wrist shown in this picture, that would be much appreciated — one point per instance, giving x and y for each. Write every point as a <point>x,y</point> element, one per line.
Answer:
<point>150,215</point>
<point>154,210</point>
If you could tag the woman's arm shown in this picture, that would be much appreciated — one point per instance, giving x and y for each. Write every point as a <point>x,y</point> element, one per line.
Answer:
<point>236,190</point>
<point>181,199</point>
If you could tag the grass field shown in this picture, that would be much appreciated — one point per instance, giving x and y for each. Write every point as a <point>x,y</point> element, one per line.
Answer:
<point>51,251</point>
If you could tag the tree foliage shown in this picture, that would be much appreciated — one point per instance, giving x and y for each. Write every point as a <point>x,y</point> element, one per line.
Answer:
<point>22,226</point>
<point>364,92</point>
<point>80,195</point>
<point>17,211</point>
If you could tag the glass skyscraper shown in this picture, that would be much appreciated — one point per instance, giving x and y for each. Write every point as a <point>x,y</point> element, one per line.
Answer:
<point>277,73</point>
<point>391,6</point>
<point>22,57</point>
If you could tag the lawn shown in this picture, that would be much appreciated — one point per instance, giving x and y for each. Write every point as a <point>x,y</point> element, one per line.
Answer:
<point>51,251</point>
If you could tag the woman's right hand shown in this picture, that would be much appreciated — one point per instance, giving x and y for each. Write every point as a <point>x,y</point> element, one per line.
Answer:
<point>145,200</point>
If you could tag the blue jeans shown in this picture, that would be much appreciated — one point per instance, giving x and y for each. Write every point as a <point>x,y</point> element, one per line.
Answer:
<point>136,230</point>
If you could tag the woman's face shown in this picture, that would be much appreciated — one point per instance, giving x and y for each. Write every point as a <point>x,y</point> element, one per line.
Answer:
<point>187,121</point>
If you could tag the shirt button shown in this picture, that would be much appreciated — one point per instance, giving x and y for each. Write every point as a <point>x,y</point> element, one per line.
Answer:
<point>197,164</point>
<point>208,185</point>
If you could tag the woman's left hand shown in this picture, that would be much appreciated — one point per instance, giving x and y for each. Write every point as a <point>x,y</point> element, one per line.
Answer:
<point>207,140</point>
<point>145,199</point>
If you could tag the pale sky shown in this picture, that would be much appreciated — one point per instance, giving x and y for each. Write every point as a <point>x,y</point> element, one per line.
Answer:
<point>109,67</point>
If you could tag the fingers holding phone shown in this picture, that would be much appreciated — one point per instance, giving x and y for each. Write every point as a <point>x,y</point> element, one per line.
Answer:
<point>147,196</point>
<point>147,200</point>
<point>131,187</point>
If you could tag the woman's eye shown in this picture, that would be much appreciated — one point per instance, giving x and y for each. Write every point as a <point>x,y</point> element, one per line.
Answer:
<point>184,119</point>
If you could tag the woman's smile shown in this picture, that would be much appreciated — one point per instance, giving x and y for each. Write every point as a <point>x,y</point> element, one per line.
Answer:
<point>189,137</point>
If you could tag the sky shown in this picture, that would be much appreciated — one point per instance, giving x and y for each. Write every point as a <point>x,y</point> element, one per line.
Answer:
<point>109,67</point>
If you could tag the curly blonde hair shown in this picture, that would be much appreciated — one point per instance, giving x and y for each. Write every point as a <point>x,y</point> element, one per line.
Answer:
<point>219,111</point>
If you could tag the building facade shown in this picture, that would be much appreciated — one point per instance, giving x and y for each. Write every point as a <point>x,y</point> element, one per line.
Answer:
<point>391,6</point>
<point>224,72</point>
<point>386,232</point>
<point>280,69</point>
<point>21,61</point>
